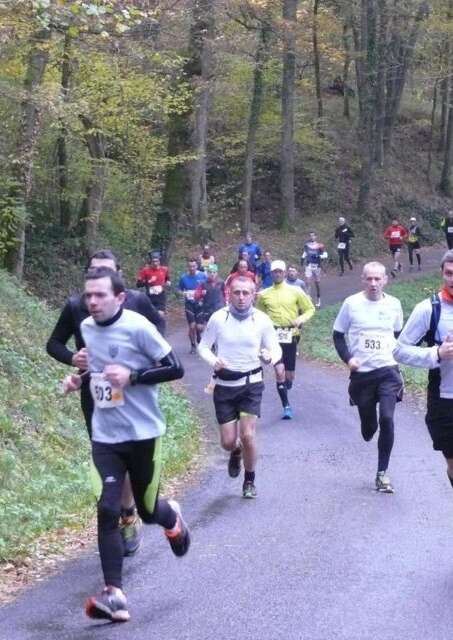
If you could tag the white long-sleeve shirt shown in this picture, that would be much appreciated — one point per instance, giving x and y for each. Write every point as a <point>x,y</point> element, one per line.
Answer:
<point>407,351</point>
<point>239,342</point>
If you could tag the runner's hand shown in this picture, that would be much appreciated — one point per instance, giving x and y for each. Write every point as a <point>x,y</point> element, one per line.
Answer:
<point>353,364</point>
<point>71,383</point>
<point>219,364</point>
<point>118,375</point>
<point>265,356</point>
<point>446,348</point>
<point>80,359</point>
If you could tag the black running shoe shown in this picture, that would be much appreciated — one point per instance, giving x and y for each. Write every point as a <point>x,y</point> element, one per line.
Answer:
<point>234,463</point>
<point>179,539</point>
<point>111,604</point>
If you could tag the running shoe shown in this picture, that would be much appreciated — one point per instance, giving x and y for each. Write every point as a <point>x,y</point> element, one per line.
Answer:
<point>193,350</point>
<point>234,463</point>
<point>111,604</point>
<point>248,490</point>
<point>131,529</point>
<point>179,536</point>
<point>392,273</point>
<point>383,484</point>
<point>287,413</point>
<point>318,303</point>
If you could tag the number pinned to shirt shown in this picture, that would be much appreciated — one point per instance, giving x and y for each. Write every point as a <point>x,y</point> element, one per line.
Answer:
<point>105,395</point>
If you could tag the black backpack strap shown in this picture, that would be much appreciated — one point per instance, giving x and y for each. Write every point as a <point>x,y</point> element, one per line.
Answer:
<point>434,322</point>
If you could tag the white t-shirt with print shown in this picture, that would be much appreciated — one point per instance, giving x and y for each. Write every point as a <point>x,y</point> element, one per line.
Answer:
<point>369,326</point>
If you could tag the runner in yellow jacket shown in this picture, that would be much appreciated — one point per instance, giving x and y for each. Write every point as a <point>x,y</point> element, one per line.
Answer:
<point>289,308</point>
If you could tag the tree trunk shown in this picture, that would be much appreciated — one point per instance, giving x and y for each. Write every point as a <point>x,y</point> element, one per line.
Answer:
<point>288,91</point>
<point>62,156</point>
<point>346,65</point>
<point>96,185</point>
<point>316,59</point>
<point>445,180</point>
<point>431,132</point>
<point>445,99</point>
<point>262,53</point>
<point>201,51</point>
<point>29,130</point>
<point>380,81</point>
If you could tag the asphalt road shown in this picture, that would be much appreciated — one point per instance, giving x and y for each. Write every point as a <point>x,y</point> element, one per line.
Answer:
<point>318,556</point>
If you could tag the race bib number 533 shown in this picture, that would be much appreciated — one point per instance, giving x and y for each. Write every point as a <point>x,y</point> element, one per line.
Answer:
<point>105,396</point>
<point>374,343</point>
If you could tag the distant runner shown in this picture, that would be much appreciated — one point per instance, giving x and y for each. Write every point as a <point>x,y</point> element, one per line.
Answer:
<point>313,254</point>
<point>431,322</point>
<point>447,227</point>
<point>127,358</point>
<point>205,258</point>
<point>211,293</point>
<point>413,244</point>
<point>395,234</point>
<point>193,308</point>
<point>364,336</point>
<point>292,278</point>
<point>156,279</point>
<point>343,235</point>
<point>244,339</point>
<point>264,271</point>
<point>253,249</point>
<point>289,308</point>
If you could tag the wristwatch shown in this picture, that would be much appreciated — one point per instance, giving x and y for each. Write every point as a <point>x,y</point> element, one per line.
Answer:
<point>133,378</point>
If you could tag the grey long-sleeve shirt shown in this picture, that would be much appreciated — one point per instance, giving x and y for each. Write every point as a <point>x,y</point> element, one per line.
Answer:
<point>407,351</point>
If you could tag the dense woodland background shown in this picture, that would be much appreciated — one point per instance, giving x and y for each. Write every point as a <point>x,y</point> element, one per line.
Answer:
<point>141,124</point>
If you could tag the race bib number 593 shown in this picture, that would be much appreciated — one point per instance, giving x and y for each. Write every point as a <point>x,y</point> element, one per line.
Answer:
<point>105,395</point>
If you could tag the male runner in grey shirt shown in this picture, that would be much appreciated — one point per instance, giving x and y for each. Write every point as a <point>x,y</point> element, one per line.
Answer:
<point>123,348</point>
<point>437,357</point>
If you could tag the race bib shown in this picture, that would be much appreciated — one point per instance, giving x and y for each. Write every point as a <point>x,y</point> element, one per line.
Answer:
<point>154,291</point>
<point>371,342</point>
<point>395,234</point>
<point>105,396</point>
<point>449,229</point>
<point>284,335</point>
<point>190,294</point>
<point>342,245</point>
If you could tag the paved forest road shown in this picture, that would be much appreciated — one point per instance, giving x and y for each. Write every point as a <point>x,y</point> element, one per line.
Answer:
<point>318,556</point>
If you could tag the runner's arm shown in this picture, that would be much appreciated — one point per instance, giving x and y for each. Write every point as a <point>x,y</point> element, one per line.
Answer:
<point>341,346</point>
<point>62,332</point>
<point>307,307</point>
<point>208,338</point>
<point>407,350</point>
<point>270,343</point>
<point>170,368</point>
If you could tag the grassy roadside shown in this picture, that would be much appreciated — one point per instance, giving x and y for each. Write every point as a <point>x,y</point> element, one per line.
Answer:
<point>317,336</point>
<point>44,450</point>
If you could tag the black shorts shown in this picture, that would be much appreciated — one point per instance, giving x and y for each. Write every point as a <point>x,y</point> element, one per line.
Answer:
<point>159,300</point>
<point>230,402</point>
<point>289,353</point>
<point>394,249</point>
<point>439,420</point>
<point>369,387</point>
<point>194,312</point>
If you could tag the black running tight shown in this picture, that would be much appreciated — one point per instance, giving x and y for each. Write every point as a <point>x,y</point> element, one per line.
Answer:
<point>369,425</point>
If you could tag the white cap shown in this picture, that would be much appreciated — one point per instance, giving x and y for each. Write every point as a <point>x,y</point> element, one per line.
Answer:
<point>413,218</point>
<point>278,265</point>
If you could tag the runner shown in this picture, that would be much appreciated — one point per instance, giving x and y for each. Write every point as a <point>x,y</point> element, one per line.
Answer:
<point>371,320</point>
<point>211,293</point>
<point>242,270</point>
<point>343,234</point>
<point>288,308</point>
<point>413,244</point>
<point>67,327</point>
<point>205,258</point>
<point>313,254</point>
<point>244,339</point>
<point>264,271</point>
<point>292,278</point>
<point>123,349</point>
<point>447,226</point>
<point>253,249</point>
<point>396,234</point>
<point>193,308</point>
<point>155,278</point>
<point>431,321</point>
<point>244,257</point>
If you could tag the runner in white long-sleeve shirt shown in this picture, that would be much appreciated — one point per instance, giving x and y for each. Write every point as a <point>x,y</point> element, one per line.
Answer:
<point>244,339</point>
<point>437,357</point>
